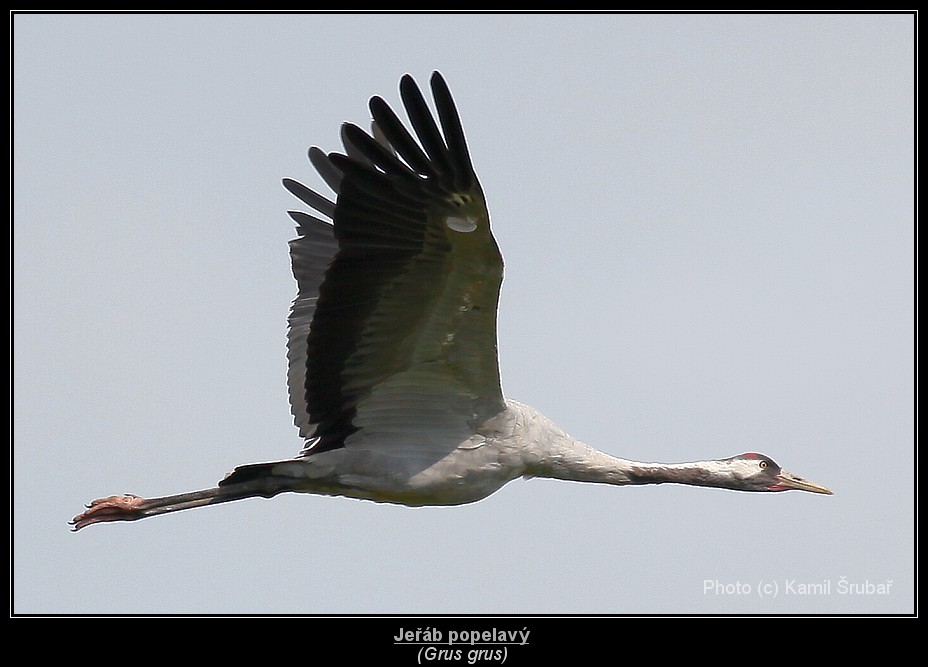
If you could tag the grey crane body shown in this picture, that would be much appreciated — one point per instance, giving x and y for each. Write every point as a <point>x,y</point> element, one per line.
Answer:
<point>393,371</point>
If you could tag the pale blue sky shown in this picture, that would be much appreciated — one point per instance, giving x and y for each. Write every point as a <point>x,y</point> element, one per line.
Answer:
<point>707,223</point>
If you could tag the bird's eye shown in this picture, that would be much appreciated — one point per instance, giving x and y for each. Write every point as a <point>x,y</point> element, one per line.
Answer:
<point>762,464</point>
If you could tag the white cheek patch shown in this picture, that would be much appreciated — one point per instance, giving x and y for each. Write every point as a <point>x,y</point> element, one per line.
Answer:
<point>460,224</point>
<point>744,469</point>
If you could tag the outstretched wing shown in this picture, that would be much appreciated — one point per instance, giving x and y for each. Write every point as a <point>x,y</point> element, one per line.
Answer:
<point>395,323</point>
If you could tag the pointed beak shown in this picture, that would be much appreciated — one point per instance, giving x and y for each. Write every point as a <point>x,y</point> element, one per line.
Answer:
<point>787,481</point>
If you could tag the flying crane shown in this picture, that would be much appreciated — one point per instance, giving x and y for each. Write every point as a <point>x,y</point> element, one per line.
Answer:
<point>393,373</point>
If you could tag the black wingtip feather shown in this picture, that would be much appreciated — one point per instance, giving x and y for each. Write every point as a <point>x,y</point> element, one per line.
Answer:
<point>453,132</point>
<point>310,197</point>
<point>329,173</point>
<point>400,139</point>
<point>422,121</point>
<point>373,151</point>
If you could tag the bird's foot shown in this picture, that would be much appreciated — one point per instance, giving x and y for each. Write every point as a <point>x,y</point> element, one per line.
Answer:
<point>114,508</point>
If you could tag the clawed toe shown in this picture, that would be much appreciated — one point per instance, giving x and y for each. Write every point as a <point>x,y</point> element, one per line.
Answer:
<point>115,508</point>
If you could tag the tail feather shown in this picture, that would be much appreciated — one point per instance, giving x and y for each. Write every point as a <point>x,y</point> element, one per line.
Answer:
<point>250,472</point>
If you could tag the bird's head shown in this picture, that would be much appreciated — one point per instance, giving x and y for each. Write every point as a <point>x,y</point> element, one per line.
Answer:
<point>757,472</point>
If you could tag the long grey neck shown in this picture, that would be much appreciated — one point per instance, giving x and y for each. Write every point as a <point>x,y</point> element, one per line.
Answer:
<point>549,452</point>
<point>581,463</point>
